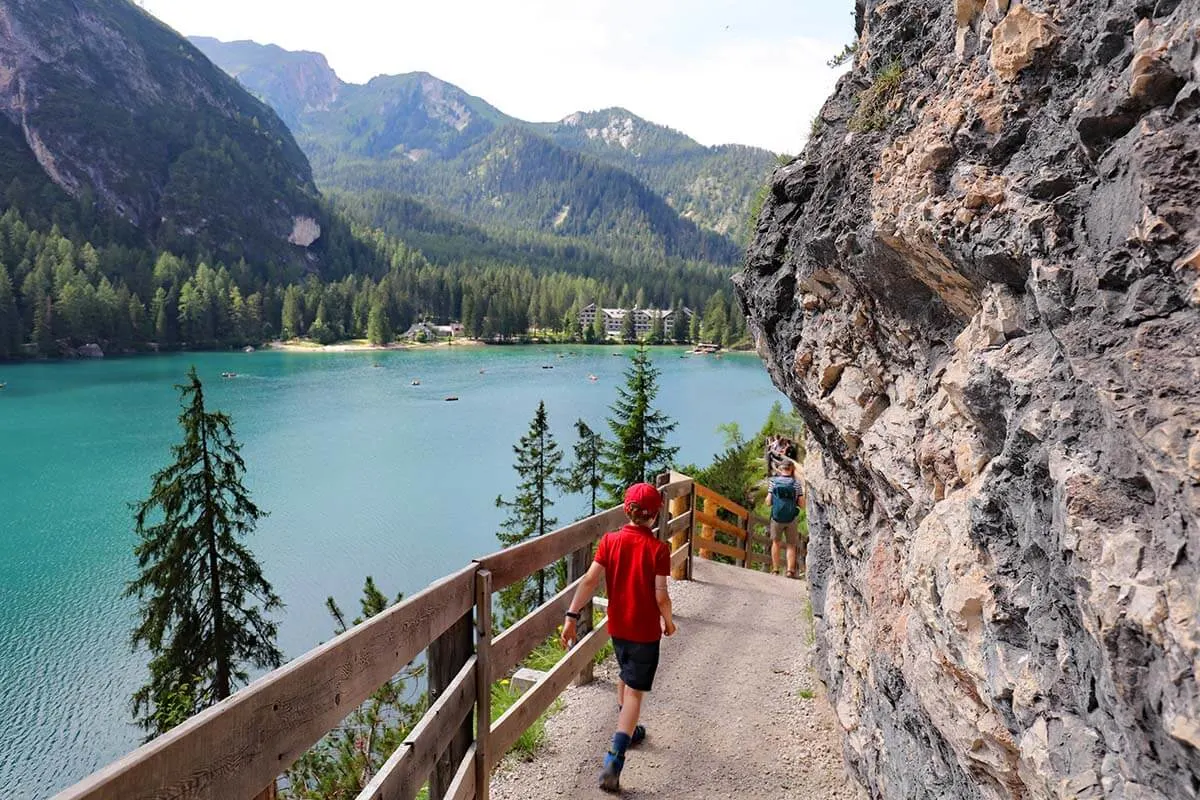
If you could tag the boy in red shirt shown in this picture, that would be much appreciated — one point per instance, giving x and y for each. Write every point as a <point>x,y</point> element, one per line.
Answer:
<point>634,566</point>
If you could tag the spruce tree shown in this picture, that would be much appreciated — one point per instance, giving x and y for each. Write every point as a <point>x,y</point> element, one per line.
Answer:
<point>537,464</point>
<point>10,319</point>
<point>657,333</point>
<point>638,449</point>
<point>204,603</point>
<point>348,757</point>
<point>679,325</point>
<point>586,475</point>
<point>628,332</point>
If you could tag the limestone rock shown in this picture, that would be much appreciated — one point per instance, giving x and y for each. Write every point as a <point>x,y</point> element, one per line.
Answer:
<point>988,315</point>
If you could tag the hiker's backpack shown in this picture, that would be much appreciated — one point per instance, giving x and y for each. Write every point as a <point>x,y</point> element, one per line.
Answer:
<point>783,502</point>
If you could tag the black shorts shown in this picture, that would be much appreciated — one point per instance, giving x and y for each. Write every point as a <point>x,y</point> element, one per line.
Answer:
<point>638,662</point>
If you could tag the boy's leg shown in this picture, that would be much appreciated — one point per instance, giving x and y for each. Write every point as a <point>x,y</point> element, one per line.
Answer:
<point>791,559</point>
<point>620,694</point>
<point>631,709</point>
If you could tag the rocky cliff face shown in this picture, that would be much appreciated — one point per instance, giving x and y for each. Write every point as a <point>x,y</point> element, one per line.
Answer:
<point>981,287</point>
<point>118,108</point>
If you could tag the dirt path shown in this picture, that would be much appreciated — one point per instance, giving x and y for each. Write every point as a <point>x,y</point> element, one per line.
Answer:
<point>735,713</point>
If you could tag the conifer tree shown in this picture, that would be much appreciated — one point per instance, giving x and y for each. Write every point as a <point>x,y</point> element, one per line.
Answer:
<point>347,758</point>
<point>656,330</point>
<point>204,603</point>
<point>638,449</point>
<point>537,464</point>
<point>586,475</point>
<point>10,320</point>
<point>628,332</point>
<point>598,326</point>
<point>679,325</point>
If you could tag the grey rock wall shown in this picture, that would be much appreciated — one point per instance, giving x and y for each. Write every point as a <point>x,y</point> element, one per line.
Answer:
<point>980,285</point>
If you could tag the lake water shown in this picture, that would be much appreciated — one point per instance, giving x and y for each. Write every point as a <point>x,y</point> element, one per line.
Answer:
<point>362,473</point>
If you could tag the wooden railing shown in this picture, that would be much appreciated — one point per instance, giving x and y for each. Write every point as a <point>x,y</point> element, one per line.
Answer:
<point>234,749</point>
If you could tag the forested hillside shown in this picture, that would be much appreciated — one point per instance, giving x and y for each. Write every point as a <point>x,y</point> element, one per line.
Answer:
<point>609,176</point>
<point>147,201</point>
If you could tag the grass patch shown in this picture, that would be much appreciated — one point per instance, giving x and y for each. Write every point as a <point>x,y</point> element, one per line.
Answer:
<point>872,112</point>
<point>528,743</point>
<point>810,635</point>
<point>806,694</point>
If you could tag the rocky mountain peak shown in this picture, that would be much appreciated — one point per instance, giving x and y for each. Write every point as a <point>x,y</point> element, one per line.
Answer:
<point>978,285</point>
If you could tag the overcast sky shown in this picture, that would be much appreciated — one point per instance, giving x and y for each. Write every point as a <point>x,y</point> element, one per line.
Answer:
<point>745,71</point>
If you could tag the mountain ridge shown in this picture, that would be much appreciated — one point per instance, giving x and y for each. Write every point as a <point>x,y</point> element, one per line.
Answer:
<point>712,187</point>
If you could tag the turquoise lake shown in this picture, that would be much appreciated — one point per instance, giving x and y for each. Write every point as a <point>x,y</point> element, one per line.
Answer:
<point>362,473</point>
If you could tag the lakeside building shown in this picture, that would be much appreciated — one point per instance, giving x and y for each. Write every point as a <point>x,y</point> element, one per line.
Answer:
<point>427,331</point>
<point>643,318</point>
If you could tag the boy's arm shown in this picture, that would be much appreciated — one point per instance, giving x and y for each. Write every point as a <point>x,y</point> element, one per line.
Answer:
<point>587,588</point>
<point>663,598</point>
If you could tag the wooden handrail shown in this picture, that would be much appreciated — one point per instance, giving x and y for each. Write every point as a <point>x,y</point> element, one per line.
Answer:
<point>235,748</point>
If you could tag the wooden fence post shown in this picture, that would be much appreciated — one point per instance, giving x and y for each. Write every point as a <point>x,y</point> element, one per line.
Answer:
<point>679,505</point>
<point>447,656</point>
<point>483,682</point>
<point>706,531</point>
<point>580,562</point>
<point>693,502</point>
<point>745,523</point>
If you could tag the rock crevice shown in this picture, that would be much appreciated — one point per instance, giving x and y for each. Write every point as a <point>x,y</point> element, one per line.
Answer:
<point>986,306</point>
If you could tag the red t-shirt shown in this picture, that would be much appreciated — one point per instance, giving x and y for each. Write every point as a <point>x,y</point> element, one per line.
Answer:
<point>631,558</point>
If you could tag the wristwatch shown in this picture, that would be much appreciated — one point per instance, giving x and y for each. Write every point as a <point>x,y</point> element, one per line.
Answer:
<point>573,615</point>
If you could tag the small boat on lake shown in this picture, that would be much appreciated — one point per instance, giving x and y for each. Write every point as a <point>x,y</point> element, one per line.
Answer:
<point>451,398</point>
<point>547,366</point>
<point>229,374</point>
<point>416,381</point>
<point>2,385</point>
<point>593,378</point>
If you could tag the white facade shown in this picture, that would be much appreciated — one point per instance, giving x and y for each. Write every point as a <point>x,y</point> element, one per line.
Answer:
<point>643,319</point>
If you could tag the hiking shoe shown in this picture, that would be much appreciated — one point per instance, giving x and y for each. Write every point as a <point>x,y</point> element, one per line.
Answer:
<point>610,776</point>
<point>639,735</point>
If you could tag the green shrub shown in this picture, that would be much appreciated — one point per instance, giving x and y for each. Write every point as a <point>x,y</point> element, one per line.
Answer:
<point>871,113</point>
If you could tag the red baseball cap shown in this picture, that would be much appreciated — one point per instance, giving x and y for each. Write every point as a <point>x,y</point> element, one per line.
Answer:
<point>645,496</point>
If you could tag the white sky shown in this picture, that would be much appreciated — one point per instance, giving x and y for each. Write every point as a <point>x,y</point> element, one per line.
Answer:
<point>744,71</point>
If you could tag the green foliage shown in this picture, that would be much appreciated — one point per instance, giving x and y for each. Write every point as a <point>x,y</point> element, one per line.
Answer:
<point>806,694</point>
<point>537,467</point>
<point>345,760</point>
<point>585,475</point>
<point>203,600</point>
<point>638,450</point>
<point>844,56</point>
<point>872,112</point>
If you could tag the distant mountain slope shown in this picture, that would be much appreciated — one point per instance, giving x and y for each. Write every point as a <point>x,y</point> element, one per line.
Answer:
<point>714,186</point>
<point>415,133</point>
<point>116,108</point>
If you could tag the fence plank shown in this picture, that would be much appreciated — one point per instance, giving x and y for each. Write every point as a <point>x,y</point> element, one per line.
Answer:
<point>514,644</point>
<point>535,701</point>
<point>721,500</point>
<point>514,563</point>
<point>760,558</point>
<point>235,748</point>
<point>679,523</point>
<point>447,655</point>
<point>463,787</point>
<point>679,557</point>
<point>403,774</point>
<point>722,525</point>
<point>579,563</point>
<point>717,547</point>
<point>483,689</point>
<point>677,487</point>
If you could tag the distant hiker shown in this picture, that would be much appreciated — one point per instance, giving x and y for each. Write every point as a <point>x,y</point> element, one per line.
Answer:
<point>634,566</point>
<point>785,509</point>
<point>780,449</point>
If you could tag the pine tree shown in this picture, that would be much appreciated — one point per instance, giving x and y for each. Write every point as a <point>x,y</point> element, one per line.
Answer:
<point>598,326</point>
<point>10,320</point>
<point>586,475</point>
<point>638,449</point>
<point>628,333</point>
<point>379,332</point>
<point>346,759</point>
<point>679,325</point>
<point>657,334</point>
<point>203,598</point>
<point>538,460</point>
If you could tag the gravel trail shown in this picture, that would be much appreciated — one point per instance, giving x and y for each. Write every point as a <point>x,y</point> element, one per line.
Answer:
<point>736,710</point>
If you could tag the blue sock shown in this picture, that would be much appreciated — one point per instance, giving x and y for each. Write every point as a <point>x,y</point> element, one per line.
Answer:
<point>620,743</point>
